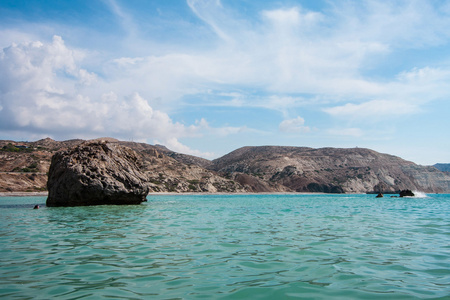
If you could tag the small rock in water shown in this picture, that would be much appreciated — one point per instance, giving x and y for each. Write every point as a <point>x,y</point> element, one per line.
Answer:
<point>96,173</point>
<point>380,195</point>
<point>406,193</point>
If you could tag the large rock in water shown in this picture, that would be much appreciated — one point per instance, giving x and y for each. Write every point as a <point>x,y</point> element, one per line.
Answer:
<point>96,173</point>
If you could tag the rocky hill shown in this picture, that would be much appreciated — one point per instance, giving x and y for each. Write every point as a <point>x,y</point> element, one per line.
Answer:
<point>24,167</point>
<point>330,170</point>
<point>442,167</point>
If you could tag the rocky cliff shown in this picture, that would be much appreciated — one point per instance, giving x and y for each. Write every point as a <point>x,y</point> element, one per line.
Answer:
<point>248,169</point>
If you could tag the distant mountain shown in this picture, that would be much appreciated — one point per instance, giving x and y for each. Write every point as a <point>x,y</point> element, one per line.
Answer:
<point>442,167</point>
<point>24,167</point>
<point>330,170</point>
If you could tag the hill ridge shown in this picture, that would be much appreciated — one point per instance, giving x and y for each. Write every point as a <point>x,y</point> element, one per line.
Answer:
<point>268,168</point>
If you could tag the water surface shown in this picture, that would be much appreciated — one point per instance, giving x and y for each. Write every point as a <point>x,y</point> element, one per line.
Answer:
<point>228,247</point>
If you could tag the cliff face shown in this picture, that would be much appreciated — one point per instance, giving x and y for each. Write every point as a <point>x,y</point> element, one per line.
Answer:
<point>248,169</point>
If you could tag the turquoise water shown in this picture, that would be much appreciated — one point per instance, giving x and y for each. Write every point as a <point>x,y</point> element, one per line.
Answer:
<point>228,247</point>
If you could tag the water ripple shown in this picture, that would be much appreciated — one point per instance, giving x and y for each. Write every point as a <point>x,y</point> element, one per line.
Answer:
<point>228,247</point>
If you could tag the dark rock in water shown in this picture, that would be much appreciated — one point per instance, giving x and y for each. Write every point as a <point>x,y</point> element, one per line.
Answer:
<point>406,193</point>
<point>96,173</point>
<point>380,195</point>
<point>324,188</point>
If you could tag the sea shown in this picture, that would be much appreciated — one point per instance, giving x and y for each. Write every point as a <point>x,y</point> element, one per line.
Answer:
<point>254,246</point>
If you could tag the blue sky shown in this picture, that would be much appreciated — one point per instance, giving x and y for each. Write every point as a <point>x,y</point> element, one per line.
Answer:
<point>207,77</point>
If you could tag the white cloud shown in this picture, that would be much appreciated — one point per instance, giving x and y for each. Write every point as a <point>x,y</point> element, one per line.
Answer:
<point>280,60</point>
<point>422,84</point>
<point>293,125</point>
<point>280,103</point>
<point>410,90</point>
<point>44,90</point>
<point>298,51</point>
<point>285,52</point>
<point>288,51</point>
<point>174,145</point>
<point>351,132</point>
<point>292,18</point>
<point>374,109</point>
<point>213,13</point>
<point>222,131</point>
<point>125,19</point>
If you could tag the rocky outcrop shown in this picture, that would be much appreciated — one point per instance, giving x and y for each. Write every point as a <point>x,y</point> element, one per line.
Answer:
<point>406,193</point>
<point>96,173</point>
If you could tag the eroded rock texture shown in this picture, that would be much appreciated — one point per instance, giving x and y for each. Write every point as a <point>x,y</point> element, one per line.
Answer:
<point>96,173</point>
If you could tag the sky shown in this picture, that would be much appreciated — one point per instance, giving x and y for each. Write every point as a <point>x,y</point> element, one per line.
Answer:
<point>207,77</point>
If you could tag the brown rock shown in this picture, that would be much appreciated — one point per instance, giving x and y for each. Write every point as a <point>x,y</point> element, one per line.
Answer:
<point>96,173</point>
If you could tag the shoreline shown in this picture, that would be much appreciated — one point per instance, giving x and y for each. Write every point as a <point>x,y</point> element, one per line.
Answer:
<point>230,193</point>
<point>22,194</point>
<point>27,194</point>
<point>42,194</point>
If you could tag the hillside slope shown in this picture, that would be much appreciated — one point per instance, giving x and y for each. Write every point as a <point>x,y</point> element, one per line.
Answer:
<point>331,170</point>
<point>24,167</point>
<point>442,167</point>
